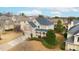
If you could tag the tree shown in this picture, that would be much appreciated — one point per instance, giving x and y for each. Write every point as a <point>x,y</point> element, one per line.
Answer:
<point>56,17</point>
<point>31,35</point>
<point>1,14</point>
<point>41,16</point>
<point>50,39</point>
<point>62,46</point>
<point>65,34</point>
<point>0,37</point>
<point>70,18</point>
<point>77,18</point>
<point>8,14</point>
<point>59,27</point>
<point>22,14</point>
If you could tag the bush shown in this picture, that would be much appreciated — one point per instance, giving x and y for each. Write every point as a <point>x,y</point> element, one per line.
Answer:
<point>47,45</point>
<point>50,40</point>
<point>62,46</point>
<point>59,28</point>
<point>34,38</point>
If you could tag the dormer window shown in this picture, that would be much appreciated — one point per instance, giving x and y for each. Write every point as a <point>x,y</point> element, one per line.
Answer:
<point>78,39</point>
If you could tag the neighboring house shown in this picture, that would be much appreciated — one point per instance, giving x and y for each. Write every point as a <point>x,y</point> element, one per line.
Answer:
<point>73,23</point>
<point>6,22</point>
<point>40,26</point>
<point>10,22</point>
<point>63,19</point>
<point>72,42</point>
<point>8,25</point>
<point>21,21</point>
<point>32,28</point>
<point>43,23</point>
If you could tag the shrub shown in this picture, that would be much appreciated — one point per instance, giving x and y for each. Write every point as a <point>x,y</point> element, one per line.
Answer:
<point>34,38</point>
<point>47,45</point>
<point>62,46</point>
<point>50,39</point>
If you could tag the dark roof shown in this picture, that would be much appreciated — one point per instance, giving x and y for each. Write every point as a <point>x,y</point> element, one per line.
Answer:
<point>32,24</point>
<point>42,30</point>
<point>43,21</point>
<point>76,22</point>
<point>73,30</point>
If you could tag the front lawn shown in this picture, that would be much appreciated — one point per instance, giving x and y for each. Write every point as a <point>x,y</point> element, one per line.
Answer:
<point>47,44</point>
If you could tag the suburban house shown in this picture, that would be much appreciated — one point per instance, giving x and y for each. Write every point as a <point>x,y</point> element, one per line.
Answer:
<point>40,26</point>
<point>72,23</point>
<point>6,22</point>
<point>72,42</point>
<point>36,26</point>
<point>10,22</point>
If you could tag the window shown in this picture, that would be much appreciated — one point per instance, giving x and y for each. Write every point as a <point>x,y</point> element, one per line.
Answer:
<point>78,39</point>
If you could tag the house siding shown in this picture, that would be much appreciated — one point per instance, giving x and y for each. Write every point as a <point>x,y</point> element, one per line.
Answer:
<point>71,46</point>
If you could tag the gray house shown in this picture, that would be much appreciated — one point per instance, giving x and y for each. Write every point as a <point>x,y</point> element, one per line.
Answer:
<point>40,26</point>
<point>6,22</point>
<point>72,42</point>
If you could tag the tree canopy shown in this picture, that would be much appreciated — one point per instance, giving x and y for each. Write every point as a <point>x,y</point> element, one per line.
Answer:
<point>59,27</point>
<point>50,39</point>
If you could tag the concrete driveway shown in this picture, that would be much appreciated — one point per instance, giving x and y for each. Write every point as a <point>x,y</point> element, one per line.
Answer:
<point>11,44</point>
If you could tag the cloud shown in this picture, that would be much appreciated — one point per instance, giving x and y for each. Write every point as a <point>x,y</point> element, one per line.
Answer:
<point>65,9</point>
<point>56,13</point>
<point>75,10</point>
<point>59,9</point>
<point>31,12</point>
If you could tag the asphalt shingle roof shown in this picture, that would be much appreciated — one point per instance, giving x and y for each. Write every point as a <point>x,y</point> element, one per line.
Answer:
<point>74,29</point>
<point>32,24</point>
<point>76,22</point>
<point>43,21</point>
